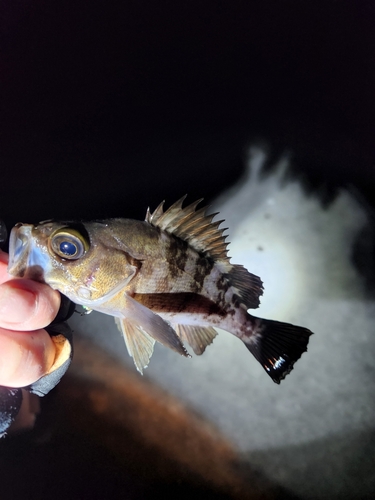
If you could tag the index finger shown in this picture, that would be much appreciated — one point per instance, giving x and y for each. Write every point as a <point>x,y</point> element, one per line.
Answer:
<point>25,356</point>
<point>25,304</point>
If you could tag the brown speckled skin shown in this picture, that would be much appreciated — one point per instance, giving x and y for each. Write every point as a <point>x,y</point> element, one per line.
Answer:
<point>158,269</point>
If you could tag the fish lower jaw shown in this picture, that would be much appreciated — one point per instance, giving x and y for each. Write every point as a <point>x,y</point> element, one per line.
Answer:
<point>83,296</point>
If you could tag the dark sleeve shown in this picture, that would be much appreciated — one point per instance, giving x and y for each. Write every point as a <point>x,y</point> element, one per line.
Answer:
<point>10,403</point>
<point>62,336</point>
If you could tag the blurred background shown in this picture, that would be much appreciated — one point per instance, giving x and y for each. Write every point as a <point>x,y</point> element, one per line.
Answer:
<point>266,109</point>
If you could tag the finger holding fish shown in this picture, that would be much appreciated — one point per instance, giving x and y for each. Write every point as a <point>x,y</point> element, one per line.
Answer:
<point>27,351</point>
<point>25,305</point>
<point>25,356</point>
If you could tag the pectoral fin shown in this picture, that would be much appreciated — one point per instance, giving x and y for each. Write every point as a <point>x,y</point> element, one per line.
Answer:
<point>139,343</point>
<point>153,325</point>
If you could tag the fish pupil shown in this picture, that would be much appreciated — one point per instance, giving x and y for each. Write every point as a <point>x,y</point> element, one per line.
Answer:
<point>68,248</point>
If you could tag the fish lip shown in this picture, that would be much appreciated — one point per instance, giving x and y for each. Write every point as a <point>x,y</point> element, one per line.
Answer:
<point>26,259</point>
<point>19,246</point>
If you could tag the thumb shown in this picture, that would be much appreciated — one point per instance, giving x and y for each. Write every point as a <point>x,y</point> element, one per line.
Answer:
<point>27,305</point>
<point>25,356</point>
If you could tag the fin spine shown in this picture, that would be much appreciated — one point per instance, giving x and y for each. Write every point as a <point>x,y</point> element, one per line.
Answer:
<point>193,226</point>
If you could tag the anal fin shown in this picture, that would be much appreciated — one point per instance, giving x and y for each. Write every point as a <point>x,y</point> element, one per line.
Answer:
<point>139,343</point>
<point>196,336</point>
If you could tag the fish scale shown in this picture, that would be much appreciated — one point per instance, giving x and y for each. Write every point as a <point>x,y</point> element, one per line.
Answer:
<point>167,279</point>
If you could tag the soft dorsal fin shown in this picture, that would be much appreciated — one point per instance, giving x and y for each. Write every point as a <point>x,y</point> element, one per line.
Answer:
<point>192,226</point>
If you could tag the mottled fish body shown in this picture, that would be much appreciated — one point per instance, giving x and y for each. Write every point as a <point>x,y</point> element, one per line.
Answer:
<point>165,279</point>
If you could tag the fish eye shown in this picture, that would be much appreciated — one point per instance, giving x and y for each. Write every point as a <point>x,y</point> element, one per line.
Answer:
<point>68,243</point>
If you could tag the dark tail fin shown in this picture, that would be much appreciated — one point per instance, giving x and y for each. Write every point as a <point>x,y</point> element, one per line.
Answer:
<point>277,346</point>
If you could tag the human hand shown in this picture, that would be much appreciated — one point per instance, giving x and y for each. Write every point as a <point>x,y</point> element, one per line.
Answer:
<point>26,350</point>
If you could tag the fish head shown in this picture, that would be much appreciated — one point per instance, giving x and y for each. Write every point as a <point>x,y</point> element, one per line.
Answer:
<point>79,260</point>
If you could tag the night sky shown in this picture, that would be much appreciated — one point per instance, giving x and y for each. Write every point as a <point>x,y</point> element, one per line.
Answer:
<point>108,107</point>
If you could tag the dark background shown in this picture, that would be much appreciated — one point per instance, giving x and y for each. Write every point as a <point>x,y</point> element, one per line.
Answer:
<point>107,107</point>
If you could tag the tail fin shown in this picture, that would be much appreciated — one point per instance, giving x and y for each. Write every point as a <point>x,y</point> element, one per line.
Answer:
<point>277,346</point>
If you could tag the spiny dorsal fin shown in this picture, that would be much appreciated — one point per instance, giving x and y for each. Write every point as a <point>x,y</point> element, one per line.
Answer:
<point>192,226</point>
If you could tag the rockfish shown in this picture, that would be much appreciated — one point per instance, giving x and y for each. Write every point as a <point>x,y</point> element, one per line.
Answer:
<point>167,279</point>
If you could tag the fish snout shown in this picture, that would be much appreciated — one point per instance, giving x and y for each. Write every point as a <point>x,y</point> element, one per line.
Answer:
<point>19,247</point>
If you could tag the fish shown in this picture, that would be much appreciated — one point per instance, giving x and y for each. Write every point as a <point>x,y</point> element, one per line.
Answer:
<point>165,279</point>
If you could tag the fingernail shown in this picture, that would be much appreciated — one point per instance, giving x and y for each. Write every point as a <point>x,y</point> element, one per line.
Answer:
<point>16,304</point>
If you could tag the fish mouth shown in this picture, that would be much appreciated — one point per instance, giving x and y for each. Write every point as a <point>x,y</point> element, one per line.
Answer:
<point>19,249</point>
<point>27,258</point>
<point>24,258</point>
